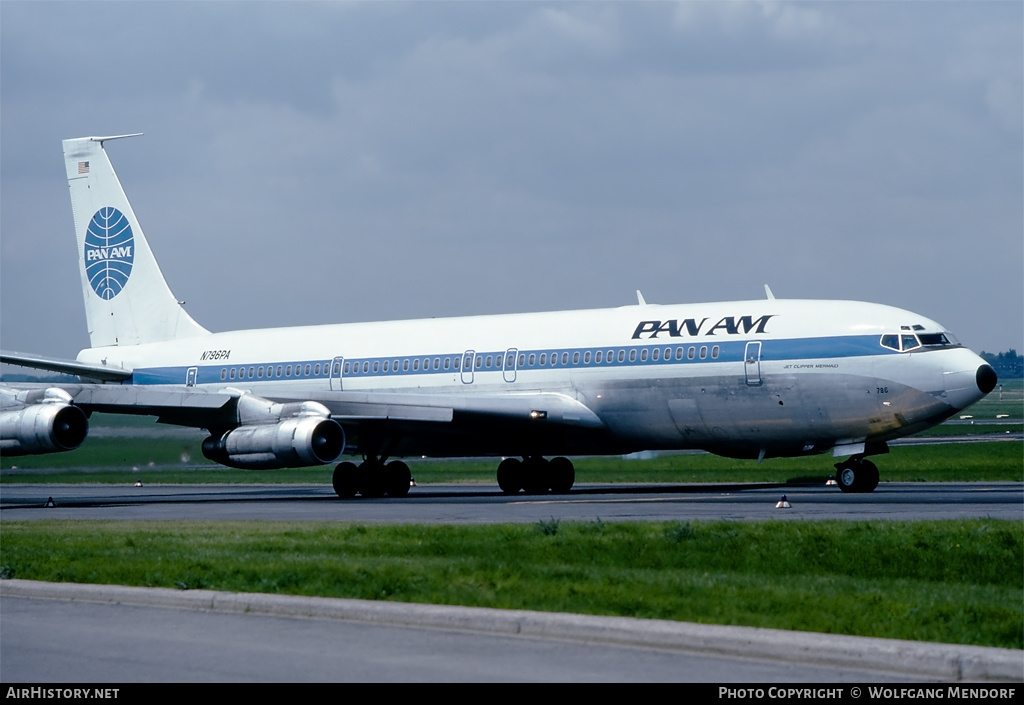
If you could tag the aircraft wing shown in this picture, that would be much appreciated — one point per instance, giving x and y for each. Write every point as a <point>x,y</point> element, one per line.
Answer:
<point>451,425</point>
<point>526,406</point>
<point>418,423</point>
<point>190,406</point>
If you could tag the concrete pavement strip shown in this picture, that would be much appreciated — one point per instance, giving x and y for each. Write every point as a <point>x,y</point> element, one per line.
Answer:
<point>951,662</point>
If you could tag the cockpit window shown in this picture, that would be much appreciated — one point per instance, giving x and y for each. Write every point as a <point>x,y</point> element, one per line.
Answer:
<point>905,342</point>
<point>934,340</point>
<point>909,342</point>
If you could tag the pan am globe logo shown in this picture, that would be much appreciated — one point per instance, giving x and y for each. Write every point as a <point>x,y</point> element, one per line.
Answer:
<point>109,252</point>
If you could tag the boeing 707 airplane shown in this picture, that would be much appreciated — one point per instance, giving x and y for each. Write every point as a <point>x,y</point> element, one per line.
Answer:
<point>743,379</point>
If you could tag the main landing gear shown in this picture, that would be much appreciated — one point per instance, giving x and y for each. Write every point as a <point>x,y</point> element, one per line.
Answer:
<point>857,475</point>
<point>376,478</point>
<point>372,478</point>
<point>535,475</point>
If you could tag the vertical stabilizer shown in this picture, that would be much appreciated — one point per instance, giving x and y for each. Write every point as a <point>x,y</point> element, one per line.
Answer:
<point>127,301</point>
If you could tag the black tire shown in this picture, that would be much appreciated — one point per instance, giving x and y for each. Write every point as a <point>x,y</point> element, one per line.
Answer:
<point>846,476</point>
<point>372,479</point>
<point>535,476</point>
<point>562,474</point>
<point>346,480</point>
<point>398,477</point>
<point>869,476</point>
<point>857,475</point>
<point>510,475</point>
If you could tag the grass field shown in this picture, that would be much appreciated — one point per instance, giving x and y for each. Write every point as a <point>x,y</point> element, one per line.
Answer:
<point>951,581</point>
<point>1006,399</point>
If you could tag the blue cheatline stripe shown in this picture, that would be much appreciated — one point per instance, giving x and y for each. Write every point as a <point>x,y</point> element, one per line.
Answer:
<point>703,351</point>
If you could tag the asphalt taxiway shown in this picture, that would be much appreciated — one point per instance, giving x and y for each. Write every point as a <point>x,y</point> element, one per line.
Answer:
<point>468,503</point>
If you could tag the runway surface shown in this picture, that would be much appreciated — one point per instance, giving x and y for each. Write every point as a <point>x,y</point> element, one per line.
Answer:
<point>455,503</point>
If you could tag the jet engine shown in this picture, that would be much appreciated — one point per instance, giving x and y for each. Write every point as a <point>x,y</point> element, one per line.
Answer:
<point>292,435</point>
<point>40,421</point>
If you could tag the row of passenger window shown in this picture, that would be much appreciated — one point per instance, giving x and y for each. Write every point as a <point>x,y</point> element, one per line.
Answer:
<point>508,360</point>
<point>279,372</point>
<point>481,361</point>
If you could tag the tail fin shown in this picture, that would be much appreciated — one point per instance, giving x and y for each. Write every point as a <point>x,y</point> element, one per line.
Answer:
<point>127,300</point>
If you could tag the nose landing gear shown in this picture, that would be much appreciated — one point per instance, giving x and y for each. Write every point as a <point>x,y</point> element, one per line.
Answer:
<point>857,474</point>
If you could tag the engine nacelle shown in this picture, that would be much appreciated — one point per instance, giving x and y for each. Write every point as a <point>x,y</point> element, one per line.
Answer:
<point>44,422</point>
<point>310,437</point>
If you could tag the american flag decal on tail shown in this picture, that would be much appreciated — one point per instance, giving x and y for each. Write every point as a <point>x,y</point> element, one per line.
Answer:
<point>83,167</point>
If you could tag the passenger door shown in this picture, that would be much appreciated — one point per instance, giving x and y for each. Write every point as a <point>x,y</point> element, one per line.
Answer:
<point>509,363</point>
<point>468,359</point>
<point>752,363</point>
<point>337,371</point>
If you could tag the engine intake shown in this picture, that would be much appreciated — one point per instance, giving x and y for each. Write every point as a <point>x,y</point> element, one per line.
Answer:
<point>46,423</point>
<point>307,437</point>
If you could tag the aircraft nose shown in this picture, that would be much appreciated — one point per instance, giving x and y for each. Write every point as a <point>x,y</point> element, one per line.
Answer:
<point>967,378</point>
<point>986,378</point>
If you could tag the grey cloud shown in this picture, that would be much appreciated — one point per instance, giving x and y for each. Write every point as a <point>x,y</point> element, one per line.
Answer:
<point>322,162</point>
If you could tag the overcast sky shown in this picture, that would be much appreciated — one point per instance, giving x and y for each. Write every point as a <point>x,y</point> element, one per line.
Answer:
<point>333,162</point>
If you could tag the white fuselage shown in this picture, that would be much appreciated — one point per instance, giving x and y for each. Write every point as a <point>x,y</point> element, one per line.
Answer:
<point>746,378</point>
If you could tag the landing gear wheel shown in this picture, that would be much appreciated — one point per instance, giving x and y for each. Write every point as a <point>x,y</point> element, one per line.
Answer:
<point>372,480</point>
<point>846,477</point>
<point>510,475</point>
<point>870,475</point>
<point>562,474</point>
<point>535,476</point>
<point>857,475</point>
<point>346,480</point>
<point>397,478</point>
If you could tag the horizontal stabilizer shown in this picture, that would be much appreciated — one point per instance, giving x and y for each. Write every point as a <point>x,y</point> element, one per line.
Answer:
<point>68,367</point>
